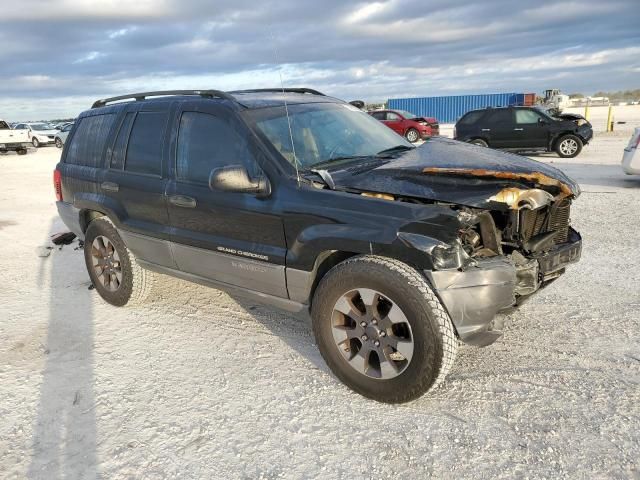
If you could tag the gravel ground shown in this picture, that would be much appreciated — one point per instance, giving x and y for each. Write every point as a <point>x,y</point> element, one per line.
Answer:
<point>196,384</point>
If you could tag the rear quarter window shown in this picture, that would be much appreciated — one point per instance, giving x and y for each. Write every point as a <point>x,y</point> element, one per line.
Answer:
<point>89,140</point>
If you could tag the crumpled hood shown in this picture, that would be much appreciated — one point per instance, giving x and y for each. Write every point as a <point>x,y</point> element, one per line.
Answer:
<point>450,171</point>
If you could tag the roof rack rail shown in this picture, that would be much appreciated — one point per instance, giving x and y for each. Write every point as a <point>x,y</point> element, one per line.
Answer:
<point>288,90</point>
<point>163,93</point>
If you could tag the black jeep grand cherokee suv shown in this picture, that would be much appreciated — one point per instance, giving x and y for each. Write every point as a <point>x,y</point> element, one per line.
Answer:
<point>398,252</point>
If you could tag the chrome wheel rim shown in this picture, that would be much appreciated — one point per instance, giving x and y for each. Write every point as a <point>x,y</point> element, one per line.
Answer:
<point>372,334</point>
<point>106,263</point>
<point>568,146</point>
<point>412,136</point>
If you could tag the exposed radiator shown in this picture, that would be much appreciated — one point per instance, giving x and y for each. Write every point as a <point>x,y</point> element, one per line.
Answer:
<point>554,218</point>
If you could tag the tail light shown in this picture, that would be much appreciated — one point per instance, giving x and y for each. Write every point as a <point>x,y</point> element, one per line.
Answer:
<point>57,184</point>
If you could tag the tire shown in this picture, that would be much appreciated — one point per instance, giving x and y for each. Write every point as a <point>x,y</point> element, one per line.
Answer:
<point>412,135</point>
<point>480,142</point>
<point>394,375</point>
<point>22,151</point>
<point>568,146</point>
<point>134,283</point>
<point>35,142</point>
<point>58,142</point>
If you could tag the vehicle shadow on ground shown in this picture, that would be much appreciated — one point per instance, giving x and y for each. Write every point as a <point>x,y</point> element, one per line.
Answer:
<point>64,438</point>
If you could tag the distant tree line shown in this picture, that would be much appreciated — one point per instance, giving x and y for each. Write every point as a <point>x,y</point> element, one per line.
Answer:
<point>619,96</point>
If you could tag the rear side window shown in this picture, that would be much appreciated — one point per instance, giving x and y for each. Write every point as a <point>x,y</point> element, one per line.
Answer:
<point>472,117</point>
<point>502,115</point>
<point>120,147</point>
<point>89,139</point>
<point>379,115</point>
<point>144,150</point>
<point>206,142</point>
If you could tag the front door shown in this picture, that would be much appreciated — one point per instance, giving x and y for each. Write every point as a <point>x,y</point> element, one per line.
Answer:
<point>233,238</point>
<point>531,129</point>
<point>395,122</point>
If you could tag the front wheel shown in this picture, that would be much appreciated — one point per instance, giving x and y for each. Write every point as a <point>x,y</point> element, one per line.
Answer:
<point>22,151</point>
<point>412,135</point>
<point>113,269</point>
<point>58,142</point>
<point>568,146</point>
<point>382,330</point>
<point>35,142</point>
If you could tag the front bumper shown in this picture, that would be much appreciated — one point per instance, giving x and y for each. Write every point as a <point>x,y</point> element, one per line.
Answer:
<point>44,138</point>
<point>474,296</point>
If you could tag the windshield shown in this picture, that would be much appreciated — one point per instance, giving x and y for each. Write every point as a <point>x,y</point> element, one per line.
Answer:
<point>406,114</point>
<point>326,132</point>
<point>40,126</point>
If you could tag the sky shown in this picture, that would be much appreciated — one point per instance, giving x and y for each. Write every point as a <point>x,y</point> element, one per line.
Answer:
<point>58,56</point>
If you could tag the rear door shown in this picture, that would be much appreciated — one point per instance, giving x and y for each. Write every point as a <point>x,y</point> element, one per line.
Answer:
<point>233,238</point>
<point>136,180</point>
<point>499,128</point>
<point>530,131</point>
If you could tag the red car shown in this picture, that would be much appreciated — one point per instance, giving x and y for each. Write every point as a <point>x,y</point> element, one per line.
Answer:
<point>407,124</point>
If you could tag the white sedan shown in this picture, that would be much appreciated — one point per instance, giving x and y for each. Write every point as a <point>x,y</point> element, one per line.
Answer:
<point>631,157</point>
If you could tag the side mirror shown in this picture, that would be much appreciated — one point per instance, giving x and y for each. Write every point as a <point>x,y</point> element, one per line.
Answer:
<point>235,178</point>
<point>542,121</point>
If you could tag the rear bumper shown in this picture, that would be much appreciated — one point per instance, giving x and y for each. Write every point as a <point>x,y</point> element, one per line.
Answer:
<point>14,145</point>
<point>474,296</point>
<point>70,215</point>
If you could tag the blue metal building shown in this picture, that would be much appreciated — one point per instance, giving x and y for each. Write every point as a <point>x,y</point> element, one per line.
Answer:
<point>450,109</point>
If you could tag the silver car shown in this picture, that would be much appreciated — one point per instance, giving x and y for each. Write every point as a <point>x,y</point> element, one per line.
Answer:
<point>62,135</point>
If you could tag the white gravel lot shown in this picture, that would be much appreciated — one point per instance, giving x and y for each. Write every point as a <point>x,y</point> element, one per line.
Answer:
<point>197,384</point>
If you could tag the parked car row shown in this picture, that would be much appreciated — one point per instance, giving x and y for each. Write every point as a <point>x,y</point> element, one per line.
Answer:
<point>18,136</point>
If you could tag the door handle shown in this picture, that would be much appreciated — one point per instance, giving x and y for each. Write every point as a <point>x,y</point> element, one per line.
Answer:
<point>486,129</point>
<point>518,129</point>
<point>110,186</point>
<point>182,201</point>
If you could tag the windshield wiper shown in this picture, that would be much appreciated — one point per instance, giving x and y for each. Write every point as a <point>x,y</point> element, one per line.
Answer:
<point>392,150</point>
<point>326,177</point>
<point>339,159</point>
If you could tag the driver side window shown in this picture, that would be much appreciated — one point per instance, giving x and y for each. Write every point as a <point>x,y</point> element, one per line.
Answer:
<point>206,142</point>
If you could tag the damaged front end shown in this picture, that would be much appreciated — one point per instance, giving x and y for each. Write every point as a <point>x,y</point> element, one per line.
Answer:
<point>514,252</point>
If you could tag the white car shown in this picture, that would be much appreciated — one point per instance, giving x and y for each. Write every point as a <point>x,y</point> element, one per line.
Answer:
<point>12,140</point>
<point>631,157</point>
<point>39,133</point>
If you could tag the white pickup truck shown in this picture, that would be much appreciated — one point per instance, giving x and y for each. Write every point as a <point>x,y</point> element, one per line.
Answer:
<point>13,140</point>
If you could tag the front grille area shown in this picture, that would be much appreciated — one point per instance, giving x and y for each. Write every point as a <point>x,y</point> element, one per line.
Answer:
<point>554,218</point>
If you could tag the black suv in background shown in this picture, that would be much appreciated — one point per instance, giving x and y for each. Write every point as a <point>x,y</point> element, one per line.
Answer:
<point>524,129</point>
<point>312,205</point>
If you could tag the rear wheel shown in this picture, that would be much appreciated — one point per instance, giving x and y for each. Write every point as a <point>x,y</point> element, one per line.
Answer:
<point>382,330</point>
<point>35,142</point>
<point>22,151</point>
<point>480,142</point>
<point>568,146</point>
<point>112,267</point>
<point>412,135</point>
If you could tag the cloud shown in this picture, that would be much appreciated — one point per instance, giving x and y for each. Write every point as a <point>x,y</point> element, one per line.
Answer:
<point>59,55</point>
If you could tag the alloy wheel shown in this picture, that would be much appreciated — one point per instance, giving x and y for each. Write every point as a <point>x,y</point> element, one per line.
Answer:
<point>372,333</point>
<point>568,146</point>
<point>106,263</point>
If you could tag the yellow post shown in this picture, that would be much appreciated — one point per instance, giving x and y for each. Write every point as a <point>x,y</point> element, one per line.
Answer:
<point>586,111</point>
<point>610,119</point>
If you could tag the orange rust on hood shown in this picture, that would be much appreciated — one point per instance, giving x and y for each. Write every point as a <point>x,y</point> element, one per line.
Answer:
<point>536,177</point>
